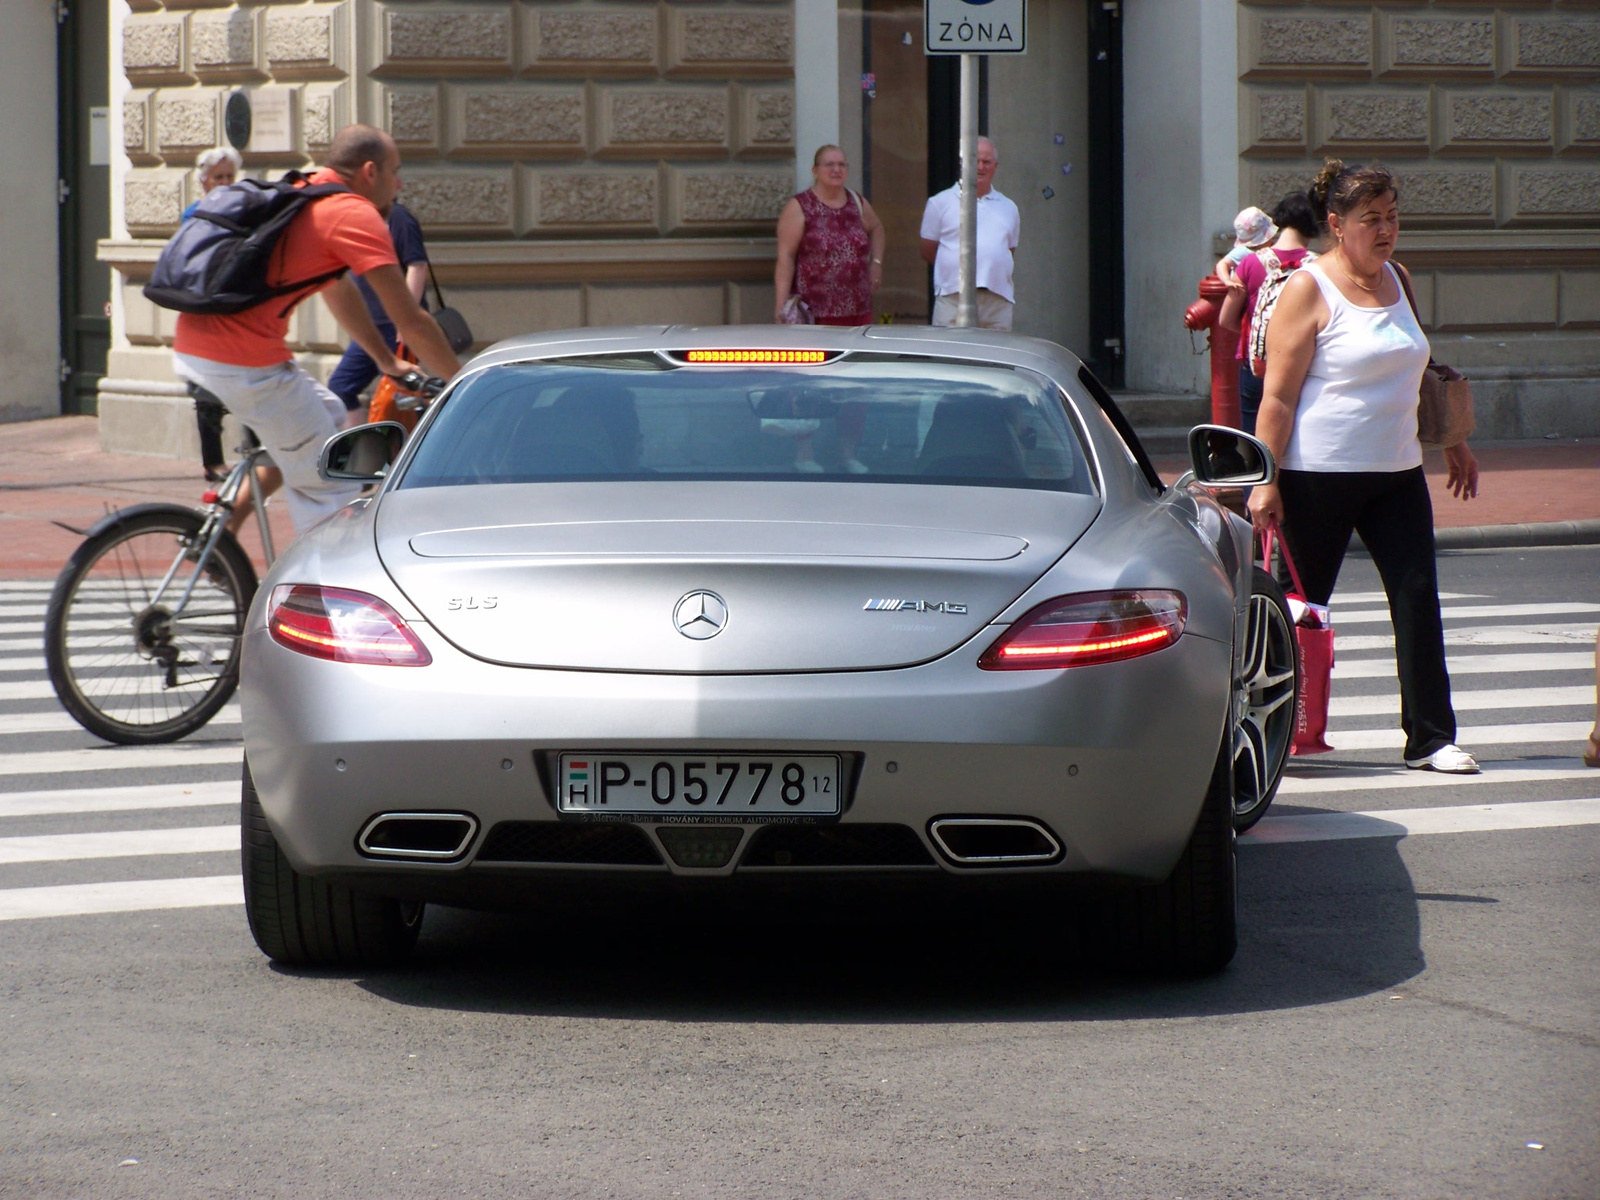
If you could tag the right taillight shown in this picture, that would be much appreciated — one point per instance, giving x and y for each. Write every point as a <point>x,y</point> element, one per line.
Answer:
<point>1089,628</point>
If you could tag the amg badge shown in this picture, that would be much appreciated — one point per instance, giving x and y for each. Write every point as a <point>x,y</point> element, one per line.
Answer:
<point>943,606</point>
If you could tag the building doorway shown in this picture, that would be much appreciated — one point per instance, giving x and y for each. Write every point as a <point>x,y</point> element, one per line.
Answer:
<point>84,192</point>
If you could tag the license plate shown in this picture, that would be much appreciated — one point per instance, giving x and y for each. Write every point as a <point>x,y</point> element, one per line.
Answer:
<point>728,785</point>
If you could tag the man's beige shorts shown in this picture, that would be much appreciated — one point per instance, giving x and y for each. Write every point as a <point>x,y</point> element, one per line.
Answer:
<point>994,312</point>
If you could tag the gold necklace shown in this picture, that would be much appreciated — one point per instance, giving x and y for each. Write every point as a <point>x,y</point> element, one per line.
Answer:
<point>1345,271</point>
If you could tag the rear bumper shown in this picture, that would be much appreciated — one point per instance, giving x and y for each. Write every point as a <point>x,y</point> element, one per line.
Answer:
<point>1114,760</point>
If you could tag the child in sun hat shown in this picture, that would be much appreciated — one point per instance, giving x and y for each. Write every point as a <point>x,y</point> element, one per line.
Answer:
<point>1252,229</point>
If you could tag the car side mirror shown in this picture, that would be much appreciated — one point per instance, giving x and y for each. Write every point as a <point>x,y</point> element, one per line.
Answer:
<point>1223,457</point>
<point>363,454</point>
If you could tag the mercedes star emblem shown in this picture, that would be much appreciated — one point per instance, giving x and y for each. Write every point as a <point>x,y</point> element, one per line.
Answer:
<point>700,615</point>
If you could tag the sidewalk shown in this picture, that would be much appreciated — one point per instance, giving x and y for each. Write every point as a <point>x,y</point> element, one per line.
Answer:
<point>54,470</point>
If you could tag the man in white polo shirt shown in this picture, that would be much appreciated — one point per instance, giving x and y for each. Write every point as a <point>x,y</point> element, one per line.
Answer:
<point>999,223</point>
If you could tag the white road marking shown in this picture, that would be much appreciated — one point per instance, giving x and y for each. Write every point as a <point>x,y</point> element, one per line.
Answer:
<point>16,665</point>
<point>135,895</point>
<point>24,643</point>
<point>60,722</point>
<point>1491,698</point>
<point>1479,635</point>
<point>1473,664</point>
<point>1462,612</point>
<point>117,799</point>
<point>1341,598</point>
<point>1312,779</point>
<point>1410,822</point>
<point>1468,735</point>
<point>123,843</point>
<point>26,689</point>
<point>120,758</point>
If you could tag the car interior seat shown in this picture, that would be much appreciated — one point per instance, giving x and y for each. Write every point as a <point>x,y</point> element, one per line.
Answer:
<point>971,437</point>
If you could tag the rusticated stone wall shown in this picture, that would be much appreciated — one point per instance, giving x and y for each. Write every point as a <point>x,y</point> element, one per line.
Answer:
<point>573,162</point>
<point>1490,116</point>
<point>516,119</point>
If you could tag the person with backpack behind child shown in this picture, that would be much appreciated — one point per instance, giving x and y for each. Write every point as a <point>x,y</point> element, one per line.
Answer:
<point>1262,275</point>
<point>236,279</point>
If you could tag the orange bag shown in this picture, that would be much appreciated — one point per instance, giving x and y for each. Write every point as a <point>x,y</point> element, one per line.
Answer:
<point>383,406</point>
<point>1313,635</point>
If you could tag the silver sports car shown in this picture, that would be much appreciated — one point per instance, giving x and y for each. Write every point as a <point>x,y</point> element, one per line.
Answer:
<point>638,607</point>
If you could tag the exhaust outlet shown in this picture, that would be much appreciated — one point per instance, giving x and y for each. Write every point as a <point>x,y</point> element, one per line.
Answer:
<point>428,836</point>
<point>994,841</point>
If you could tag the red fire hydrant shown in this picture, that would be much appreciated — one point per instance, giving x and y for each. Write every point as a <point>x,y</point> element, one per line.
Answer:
<point>1224,343</point>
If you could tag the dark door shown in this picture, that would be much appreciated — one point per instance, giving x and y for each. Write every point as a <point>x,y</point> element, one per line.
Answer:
<point>84,140</point>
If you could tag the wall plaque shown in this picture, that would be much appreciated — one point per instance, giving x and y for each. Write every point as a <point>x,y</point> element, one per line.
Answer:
<point>271,126</point>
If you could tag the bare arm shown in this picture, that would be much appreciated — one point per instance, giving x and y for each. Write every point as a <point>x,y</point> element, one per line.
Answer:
<point>417,280</point>
<point>350,310</point>
<point>929,250</point>
<point>1300,314</point>
<point>1226,273</point>
<point>877,238</point>
<point>1232,313</point>
<point>419,331</point>
<point>791,228</point>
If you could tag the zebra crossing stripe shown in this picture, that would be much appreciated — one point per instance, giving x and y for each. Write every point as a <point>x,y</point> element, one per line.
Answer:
<point>121,843</point>
<point>1480,635</point>
<point>1490,698</point>
<point>1411,822</point>
<point>117,799</point>
<point>1308,779</point>
<point>1473,664</point>
<point>1462,612</point>
<point>24,689</point>
<point>17,664</point>
<point>60,722</point>
<point>134,895</point>
<point>120,758</point>
<point>1469,735</point>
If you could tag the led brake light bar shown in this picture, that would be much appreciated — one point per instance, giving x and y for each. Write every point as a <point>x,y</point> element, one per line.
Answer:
<point>743,357</point>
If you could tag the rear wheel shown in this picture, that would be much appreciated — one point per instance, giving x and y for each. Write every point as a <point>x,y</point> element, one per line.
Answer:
<point>1188,923</point>
<point>127,660</point>
<point>1265,702</point>
<point>303,921</point>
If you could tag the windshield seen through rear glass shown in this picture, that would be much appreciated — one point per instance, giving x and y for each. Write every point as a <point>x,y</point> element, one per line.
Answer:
<point>878,420</point>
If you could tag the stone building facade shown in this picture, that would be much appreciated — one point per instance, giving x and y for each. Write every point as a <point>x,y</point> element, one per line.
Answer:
<point>602,162</point>
<point>1491,119</point>
<point>571,164</point>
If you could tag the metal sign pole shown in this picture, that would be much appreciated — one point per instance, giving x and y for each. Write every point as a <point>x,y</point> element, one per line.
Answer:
<point>967,303</point>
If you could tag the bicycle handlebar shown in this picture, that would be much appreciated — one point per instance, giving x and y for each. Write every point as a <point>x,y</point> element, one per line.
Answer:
<point>420,383</point>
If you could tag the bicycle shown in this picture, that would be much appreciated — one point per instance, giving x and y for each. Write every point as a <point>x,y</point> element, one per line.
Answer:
<point>143,625</point>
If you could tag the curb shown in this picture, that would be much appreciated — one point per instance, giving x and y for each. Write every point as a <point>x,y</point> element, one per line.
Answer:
<point>1504,537</point>
<point>1495,537</point>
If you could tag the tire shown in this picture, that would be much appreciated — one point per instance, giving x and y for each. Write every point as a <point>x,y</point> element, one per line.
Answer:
<point>1187,924</point>
<point>1268,688</point>
<point>302,921</point>
<point>147,678</point>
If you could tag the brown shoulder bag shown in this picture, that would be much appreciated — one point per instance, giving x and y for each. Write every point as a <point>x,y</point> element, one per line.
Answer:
<point>1444,400</point>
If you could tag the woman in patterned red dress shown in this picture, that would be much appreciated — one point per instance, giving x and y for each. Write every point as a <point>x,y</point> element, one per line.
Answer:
<point>830,247</point>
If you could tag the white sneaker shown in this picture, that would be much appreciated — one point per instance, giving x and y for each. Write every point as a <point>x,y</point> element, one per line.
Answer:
<point>1451,760</point>
<point>854,466</point>
<point>808,466</point>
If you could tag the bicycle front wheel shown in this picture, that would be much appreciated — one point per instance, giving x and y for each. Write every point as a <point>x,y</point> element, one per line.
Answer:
<point>128,658</point>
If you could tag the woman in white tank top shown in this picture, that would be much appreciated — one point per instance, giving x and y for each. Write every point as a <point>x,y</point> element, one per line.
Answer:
<point>1345,355</point>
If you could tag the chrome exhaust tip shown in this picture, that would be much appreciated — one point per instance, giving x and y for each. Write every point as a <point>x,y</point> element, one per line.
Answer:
<point>426,836</point>
<point>994,841</point>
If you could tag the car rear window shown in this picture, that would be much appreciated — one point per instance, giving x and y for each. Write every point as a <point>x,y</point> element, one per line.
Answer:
<point>878,420</point>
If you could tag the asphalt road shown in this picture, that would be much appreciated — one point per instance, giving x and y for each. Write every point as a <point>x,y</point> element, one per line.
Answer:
<point>1413,1016</point>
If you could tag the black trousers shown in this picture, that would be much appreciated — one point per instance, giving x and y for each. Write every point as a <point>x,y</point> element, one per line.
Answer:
<point>1394,516</point>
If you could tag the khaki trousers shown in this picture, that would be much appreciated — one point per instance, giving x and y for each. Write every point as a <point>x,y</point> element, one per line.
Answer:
<point>994,311</point>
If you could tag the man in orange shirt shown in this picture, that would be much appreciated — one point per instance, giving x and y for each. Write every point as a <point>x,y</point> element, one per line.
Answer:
<point>244,358</point>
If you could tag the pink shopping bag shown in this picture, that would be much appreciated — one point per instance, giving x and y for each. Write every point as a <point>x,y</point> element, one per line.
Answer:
<point>1313,635</point>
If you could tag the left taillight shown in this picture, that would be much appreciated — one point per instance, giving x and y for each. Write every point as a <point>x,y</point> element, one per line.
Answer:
<point>342,625</point>
<point>1089,628</point>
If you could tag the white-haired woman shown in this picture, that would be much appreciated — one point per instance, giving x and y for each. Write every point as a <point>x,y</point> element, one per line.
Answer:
<point>217,167</point>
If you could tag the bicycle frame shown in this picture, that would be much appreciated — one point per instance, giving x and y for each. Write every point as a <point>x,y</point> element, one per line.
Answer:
<point>219,509</point>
